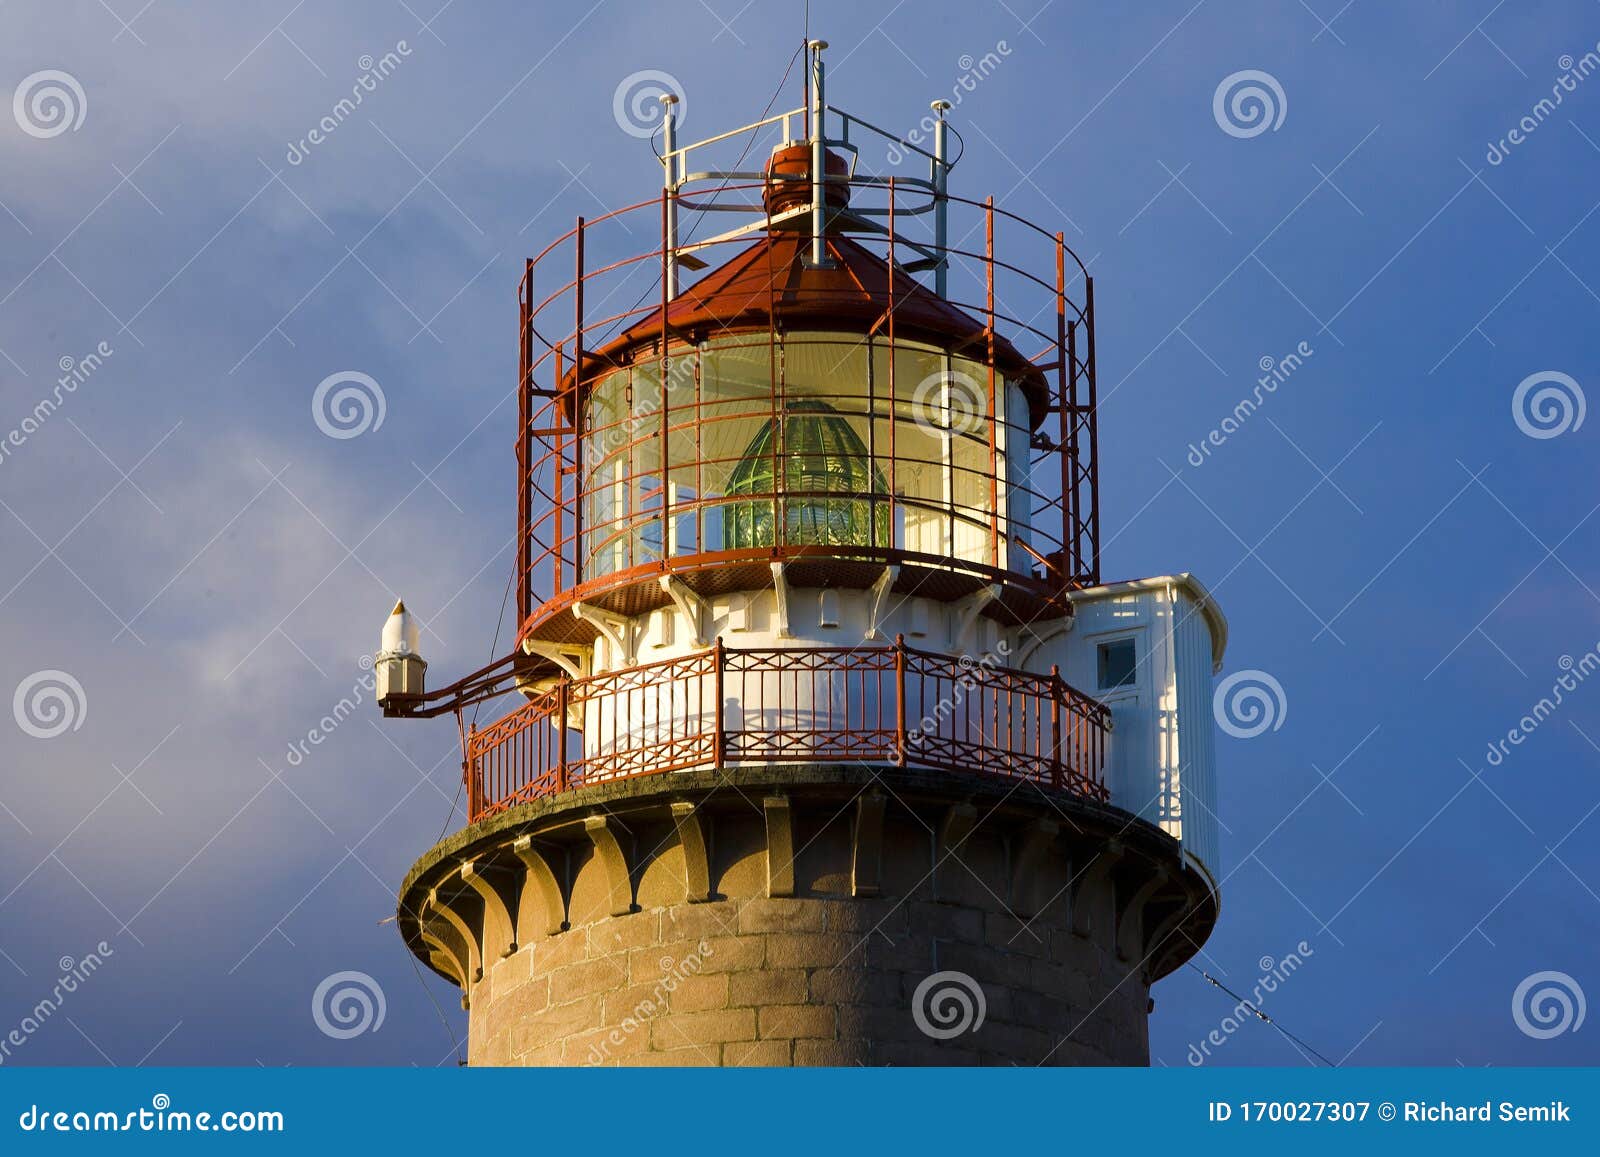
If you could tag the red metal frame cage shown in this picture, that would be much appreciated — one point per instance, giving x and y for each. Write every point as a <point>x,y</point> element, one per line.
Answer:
<point>570,325</point>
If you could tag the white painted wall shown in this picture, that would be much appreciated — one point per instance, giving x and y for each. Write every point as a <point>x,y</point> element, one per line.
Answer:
<point>1162,760</point>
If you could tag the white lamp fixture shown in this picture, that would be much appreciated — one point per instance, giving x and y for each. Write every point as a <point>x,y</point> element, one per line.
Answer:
<point>398,666</point>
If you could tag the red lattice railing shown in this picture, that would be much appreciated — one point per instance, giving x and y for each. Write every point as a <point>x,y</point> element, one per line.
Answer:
<point>726,706</point>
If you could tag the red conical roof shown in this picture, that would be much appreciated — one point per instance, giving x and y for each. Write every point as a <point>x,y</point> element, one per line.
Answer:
<point>773,283</point>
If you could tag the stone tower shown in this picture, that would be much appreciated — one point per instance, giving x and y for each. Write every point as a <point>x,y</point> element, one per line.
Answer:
<point>830,746</point>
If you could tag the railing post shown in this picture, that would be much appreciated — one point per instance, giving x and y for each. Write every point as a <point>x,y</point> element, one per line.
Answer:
<point>1102,741</point>
<point>561,732</point>
<point>900,699</point>
<point>720,737</point>
<point>472,776</point>
<point>1057,694</point>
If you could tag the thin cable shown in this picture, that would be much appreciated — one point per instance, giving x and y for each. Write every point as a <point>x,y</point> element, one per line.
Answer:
<point>454,803</point>
<point>1259,1015</point>
<point>500,622</point>
<point>450,1032</point>
<point>476,707</point>
<point>776,93</point>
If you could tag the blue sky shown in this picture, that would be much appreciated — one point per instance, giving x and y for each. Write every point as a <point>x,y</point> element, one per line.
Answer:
<point>1388,542</point>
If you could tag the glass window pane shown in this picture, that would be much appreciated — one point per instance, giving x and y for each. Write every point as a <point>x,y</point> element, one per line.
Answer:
<point>1117,665</point>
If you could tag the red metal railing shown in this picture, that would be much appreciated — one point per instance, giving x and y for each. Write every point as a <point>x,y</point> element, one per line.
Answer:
<point>722,706</point>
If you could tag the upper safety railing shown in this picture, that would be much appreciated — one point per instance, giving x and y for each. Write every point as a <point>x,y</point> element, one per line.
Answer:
<point>724,706</point>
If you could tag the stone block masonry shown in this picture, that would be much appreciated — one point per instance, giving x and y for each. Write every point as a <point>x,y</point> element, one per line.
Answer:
<point>1012,929</point>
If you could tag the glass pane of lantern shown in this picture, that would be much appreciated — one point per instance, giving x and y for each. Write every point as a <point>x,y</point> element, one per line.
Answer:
<point>736,400</point>
<point>972,471</point>
<point>831,369</point>
<point>921,478</point>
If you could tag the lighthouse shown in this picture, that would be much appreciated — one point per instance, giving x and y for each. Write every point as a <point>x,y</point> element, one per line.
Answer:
<point>822,740</point>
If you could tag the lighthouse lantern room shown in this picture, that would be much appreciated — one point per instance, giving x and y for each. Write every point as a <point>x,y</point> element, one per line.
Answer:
<point>809,606</point>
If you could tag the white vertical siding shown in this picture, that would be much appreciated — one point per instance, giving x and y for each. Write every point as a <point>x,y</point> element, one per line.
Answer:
<point>1133,762</point>
<point>1197,733</point>
<point>1162,760</point>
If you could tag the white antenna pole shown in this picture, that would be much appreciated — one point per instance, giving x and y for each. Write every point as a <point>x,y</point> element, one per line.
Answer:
<point>941,185</point>
<point>669,168</point>
<point>819,255</point>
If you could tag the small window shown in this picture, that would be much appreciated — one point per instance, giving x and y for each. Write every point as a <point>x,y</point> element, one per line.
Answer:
<point>1117,664</point>
<point>828,608</point>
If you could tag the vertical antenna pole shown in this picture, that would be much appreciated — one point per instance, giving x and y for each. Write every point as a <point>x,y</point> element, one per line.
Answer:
<point>669,185</point>
<point>941,190</point>
<point>818,169</point>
